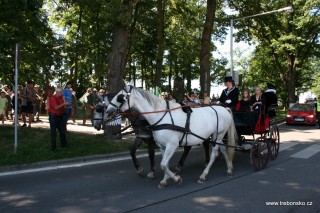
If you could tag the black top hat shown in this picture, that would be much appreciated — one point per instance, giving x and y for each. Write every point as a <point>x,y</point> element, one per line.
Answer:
<point>228,78</point>
<point>270,86</point>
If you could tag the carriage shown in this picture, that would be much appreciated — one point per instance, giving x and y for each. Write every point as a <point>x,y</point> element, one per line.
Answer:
<point>262,140</point>
<point>225,130</point>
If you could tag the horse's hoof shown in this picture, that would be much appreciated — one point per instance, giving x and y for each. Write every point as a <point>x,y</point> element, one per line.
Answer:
<point>150,175</point>
<point>140,171</point>
<point>162,185</point>
<point>201,180</point>
<point>179,180</point>
<point>229,174</point>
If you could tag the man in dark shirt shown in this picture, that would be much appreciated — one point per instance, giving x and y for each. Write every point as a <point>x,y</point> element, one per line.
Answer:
<point>90,106</point>
<point>229,96</point>
<point>270,100</point>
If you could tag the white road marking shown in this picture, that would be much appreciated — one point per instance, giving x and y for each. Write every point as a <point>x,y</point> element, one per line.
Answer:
<point>307,152</point>
<point>284,146</point>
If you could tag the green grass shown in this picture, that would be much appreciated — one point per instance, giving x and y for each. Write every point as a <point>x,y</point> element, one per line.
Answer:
<point>34,146</point>
<point>281,115</point>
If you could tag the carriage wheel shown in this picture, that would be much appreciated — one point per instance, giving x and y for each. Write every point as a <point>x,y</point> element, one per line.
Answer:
<point>274,139</point>
<point>260,153</point>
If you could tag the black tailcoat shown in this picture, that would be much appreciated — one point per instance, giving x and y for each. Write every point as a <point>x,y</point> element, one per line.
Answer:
<point>232,95</point>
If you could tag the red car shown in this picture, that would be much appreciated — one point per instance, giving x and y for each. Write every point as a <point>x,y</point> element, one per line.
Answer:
<point>301,114</point>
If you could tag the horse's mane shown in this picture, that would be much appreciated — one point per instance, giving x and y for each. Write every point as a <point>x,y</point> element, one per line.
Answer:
<point>156,102</point>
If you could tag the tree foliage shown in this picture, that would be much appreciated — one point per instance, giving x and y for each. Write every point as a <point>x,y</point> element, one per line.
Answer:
<point>26,23</point>
<point>286,43</point>
<point>158,41</point>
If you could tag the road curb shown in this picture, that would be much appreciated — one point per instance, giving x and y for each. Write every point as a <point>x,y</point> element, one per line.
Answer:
<point>63,162</point>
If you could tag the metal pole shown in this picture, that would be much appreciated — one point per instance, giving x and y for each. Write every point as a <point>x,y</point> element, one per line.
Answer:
<point>231,49</point>
<point>16,99</point>
<point>285,9</point>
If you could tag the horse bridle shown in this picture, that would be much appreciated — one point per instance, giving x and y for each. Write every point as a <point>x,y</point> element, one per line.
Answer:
<point>123,98</point>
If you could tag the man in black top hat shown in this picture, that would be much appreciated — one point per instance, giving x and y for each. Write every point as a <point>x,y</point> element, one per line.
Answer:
<point>229,96</point>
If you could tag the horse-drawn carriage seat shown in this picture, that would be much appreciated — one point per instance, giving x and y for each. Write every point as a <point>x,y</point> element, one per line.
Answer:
<point>248,123</point>
<point>242,122</point>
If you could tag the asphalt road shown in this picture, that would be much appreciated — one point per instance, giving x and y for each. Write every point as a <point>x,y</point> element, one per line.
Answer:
<point>291,183</point>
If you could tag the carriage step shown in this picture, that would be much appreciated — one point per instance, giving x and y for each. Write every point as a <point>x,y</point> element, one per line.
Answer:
<point>244,147</point>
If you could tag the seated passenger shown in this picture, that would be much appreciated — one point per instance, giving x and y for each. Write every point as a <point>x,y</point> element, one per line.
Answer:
<point>269,100</point>
<point>244,104</point>
<point>256,100</point>
<point>255,108</point>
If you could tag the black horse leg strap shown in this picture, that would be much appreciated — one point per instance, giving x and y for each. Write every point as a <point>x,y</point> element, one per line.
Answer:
<point>187,129</point>
<point>168,108</point>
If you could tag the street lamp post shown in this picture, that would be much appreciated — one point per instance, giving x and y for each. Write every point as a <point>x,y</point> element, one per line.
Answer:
<point>234,74</point>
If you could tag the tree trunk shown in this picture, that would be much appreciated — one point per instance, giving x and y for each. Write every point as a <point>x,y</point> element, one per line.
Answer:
<point>178,89</point>
<point>160,40</point>
<point>170,74</point>
<point>205,81</point>
<point>117,58</point>
<point>76,57</point>
<point>291,79</point>
<point>291,61</point>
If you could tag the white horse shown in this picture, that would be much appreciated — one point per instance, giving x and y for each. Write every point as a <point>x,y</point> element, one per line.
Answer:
<point>171,127</point>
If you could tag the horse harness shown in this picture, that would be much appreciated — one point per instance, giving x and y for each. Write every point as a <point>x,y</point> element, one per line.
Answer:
<point>156,126</point>
<point>185,130</point>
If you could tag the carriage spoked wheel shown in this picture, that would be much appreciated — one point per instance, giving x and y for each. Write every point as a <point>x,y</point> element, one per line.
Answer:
<point>260,153</point>
<point>274,139</point>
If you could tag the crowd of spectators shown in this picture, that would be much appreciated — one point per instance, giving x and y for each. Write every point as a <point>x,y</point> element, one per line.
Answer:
<point>33,101</point>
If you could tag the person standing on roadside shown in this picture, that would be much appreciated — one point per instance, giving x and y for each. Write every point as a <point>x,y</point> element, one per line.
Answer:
<point>318,111</point>
<point>67,97</point>
<point>3,106</point>
<point>57,106</point>
<point>206,98</point>
<point>90,106</point>
<point>37,103</point>
<point>28,95</point>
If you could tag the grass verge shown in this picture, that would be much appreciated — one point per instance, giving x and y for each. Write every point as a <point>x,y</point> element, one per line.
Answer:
<point>281,115</point>
<point>34,146</point>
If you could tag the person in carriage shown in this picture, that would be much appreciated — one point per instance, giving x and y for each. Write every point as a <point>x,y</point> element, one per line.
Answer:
<point>244,104</point>
<point>262,107</point>
<point>229,96</point>
<point>255,108</point>
<point>270,100</point>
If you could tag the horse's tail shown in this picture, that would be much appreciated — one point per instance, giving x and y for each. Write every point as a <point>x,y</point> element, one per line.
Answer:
<point>232,137</point>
